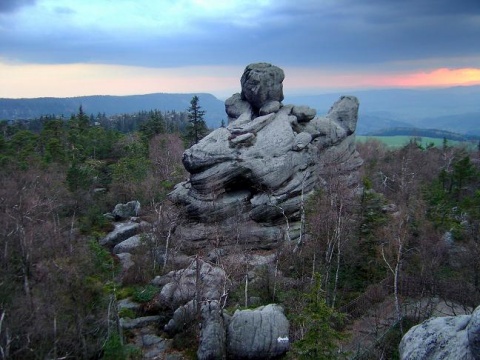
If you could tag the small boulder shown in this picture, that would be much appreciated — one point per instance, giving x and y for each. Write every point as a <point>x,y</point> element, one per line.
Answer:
<point>125,211</point>
<point>262,82</point>
<point>301,141</point>
<point>303,113</point>
<point>235,106</point>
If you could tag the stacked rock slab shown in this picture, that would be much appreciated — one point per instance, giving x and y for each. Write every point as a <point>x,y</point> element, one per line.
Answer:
<point>251,178</point>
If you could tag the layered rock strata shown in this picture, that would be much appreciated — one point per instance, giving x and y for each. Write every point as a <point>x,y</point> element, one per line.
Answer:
<point>249,181</point>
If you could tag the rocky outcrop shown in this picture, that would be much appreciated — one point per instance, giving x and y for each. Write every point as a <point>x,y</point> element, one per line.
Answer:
<point>450,337</point>
<point>261,333</point>
<point>251,178</point>
<point>181,286</point>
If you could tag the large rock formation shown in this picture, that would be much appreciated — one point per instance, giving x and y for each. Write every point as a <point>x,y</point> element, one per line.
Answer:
<point>449,337</point>
<point>251,178</point>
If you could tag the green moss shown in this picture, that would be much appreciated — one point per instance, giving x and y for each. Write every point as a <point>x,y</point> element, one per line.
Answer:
<point>127,313</point>
<point>125,292</point>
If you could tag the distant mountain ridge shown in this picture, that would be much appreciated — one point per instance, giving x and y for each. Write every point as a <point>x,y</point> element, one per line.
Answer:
<point>455,109</point>
<point>431,133</point>
<point>14,109</point>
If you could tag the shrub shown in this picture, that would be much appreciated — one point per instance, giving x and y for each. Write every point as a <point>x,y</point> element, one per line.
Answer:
<point>144,294</point>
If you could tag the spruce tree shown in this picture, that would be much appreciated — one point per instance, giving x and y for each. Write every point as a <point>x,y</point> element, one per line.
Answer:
<point>197,127</point>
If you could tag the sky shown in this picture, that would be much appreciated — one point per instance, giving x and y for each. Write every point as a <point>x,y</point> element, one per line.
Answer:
<point>66,48</point>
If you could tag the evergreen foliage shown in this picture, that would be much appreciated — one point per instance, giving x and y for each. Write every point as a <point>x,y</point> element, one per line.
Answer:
<point>318,320</point>
<point>197,128</point>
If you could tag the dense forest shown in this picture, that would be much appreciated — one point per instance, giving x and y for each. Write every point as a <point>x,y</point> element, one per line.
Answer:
<point>412,233</point>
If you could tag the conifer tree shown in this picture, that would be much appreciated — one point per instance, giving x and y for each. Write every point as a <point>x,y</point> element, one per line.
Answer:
<point>197,127</point>
<point>320,338</point>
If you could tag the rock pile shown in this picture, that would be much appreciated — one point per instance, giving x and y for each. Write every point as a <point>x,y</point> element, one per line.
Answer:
<point>251,178</point>
<point>261,333</point>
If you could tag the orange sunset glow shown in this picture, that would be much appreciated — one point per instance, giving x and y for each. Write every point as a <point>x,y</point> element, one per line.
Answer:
<point>99,79</point>
<point>442,77</point>
<point>439,77</point>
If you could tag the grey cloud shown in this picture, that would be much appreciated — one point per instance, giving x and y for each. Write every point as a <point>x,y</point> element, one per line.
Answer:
<point>10,6</point>
<point>308,33</point>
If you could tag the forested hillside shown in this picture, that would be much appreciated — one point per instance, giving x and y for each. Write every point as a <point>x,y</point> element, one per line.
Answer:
<point>411,234</point>
<point>431,133</point>
<point>23,109</point>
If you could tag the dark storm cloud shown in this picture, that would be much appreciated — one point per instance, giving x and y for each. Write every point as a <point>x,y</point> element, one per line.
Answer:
<point>294,34</point>
<point>10,6</point>
<point>372,31</point>
<point>422,7</point>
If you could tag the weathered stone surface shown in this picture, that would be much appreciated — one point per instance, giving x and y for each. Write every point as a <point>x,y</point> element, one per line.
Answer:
<point>301,141</point>
<point>249,177</point>
<point>140,322</point>
<point>151,344</point>
<point>269,107</point>
<point>258,334</point>
<point>154,347</point>
<point>303,113</point>
<point>128,245</point>
<point>345,112</point>
<point>121,232</point>
<point>213,334</point>
<point>473,333</point>
<point>180,286</point>
<point>126,261</point>
<point>125,211</point>
<point>450,337</point>
<point>183,316</point>
<point>235,107</point>
<point>128,304</point>
<point>262,82</point>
